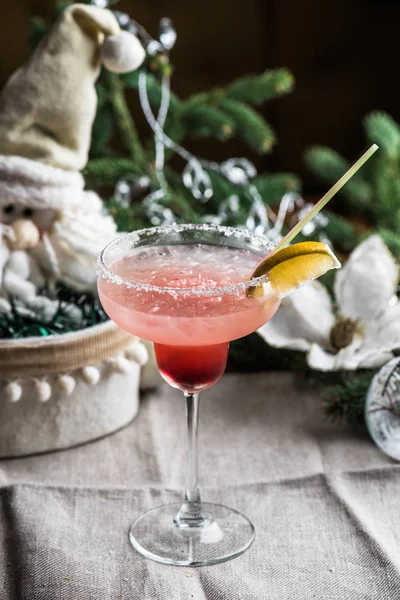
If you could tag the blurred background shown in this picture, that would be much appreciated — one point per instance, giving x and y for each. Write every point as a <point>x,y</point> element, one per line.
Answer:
<point>342,54</point>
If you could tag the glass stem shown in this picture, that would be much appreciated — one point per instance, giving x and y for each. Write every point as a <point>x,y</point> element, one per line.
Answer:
<point>190,515</point>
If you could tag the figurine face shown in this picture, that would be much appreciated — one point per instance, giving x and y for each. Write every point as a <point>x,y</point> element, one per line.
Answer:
<point>42,218</point>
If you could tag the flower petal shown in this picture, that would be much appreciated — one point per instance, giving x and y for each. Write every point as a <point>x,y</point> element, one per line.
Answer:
<point>384,331</point>
<point>320,360</point>
<point>366,283</point>
<point>375,358</point>
<point>346,359</point>
<point>304,318</point>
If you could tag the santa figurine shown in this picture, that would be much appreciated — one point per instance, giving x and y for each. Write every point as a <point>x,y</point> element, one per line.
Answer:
<point>51,228</point>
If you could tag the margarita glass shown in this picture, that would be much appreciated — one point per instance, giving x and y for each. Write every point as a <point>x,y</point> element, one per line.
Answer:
<point>183,287</point>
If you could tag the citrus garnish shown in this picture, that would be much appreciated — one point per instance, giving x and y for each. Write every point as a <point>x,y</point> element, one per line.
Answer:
<point>288,267</point>
<point>292,266</point>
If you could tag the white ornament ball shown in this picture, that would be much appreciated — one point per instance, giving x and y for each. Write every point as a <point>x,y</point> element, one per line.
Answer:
<point>138,353</point>
<point>91,375</point>
<point>382,408</point>
<point>66,384</point>
<point>26,235</point>
<point>13,391</point>
<point>43,390</point>
<point>122,53</point>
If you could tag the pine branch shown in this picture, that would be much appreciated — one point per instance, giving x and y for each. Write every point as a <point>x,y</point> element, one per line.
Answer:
<point>387,183</point>
<point>182,207</point>
<point>392,240</point>
<point>257,89</point>
<point>207,121</point>
<point>175,130</point>
<point>381,129</point>
<point>128,218</point>
<point>174,180</point>
<point>329,166</point>
<point>328,280</point>
<point>102,130</point>
<point>102,94</point>
<point>173,126</point>
<point>346,400</point>
<point>341,233</point>
<point>125,123</point>
<point>39,29</point>
<point>107,171</point>
<point>61,5</point>
<point>211,97</point>
<point>273,187</point>
<point>249,125</point>
<point>154,90</point>
<point>222,187</point>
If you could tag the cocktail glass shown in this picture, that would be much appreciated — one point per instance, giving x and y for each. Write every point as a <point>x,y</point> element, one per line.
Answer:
<point>183,287</point>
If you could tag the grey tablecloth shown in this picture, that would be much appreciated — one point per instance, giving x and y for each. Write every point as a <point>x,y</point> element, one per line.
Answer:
<point>325,504</point>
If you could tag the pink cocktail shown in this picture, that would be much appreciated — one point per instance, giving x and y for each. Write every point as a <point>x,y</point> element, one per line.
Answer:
<point>184,288</point>
<point>191,333</point>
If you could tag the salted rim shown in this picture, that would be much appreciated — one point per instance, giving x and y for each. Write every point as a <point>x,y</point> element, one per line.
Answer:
<point>106,273</point>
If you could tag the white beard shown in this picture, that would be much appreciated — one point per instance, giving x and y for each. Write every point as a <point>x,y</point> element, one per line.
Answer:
<point>77,237</point>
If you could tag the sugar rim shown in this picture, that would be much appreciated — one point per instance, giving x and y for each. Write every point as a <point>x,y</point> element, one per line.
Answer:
<point>106,273</point>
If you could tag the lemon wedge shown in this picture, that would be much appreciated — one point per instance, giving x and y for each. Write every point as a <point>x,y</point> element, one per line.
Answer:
<point>292,266</point>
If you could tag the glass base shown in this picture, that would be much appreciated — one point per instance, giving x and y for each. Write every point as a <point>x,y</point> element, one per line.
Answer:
<point>224,535</point>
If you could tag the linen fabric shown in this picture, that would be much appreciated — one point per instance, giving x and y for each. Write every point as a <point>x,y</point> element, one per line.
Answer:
<point>324,502</point>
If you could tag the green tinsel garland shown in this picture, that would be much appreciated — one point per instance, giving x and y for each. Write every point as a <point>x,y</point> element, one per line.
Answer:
<point>16,324</point>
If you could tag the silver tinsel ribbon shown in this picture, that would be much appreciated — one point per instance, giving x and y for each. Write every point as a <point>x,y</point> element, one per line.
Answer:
<point>195,176</point>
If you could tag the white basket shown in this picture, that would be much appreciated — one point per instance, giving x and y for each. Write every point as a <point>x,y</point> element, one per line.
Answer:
<point>59,391</point>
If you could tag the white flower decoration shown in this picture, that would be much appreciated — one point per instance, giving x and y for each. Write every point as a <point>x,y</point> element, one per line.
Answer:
<point>365,329</point>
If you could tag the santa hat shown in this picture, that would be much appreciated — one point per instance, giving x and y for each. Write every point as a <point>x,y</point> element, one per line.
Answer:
<point>47,107</point>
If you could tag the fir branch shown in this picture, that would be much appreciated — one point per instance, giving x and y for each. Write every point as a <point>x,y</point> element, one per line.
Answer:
<point>387,183</point>
<point>39,29</point>
<point>102,130</point>
<point>174,180</point>
<point>346,400</point>
<point>328,280</point>
<point>61,5</point>
<point>257,89</point>
<point>329,166</point>
<point>392,240</point>
<point>175,130</point>
<point>107,171</point>
<point>340,232</point>
<point>102,94</point>
<point>125,123</point>
<point>211,97</point>
<point>381,129</point>
<point>222,187</point>
<point>174,127</point>
<point>128,218</point>
<point>182,207</point>
<point>154,89</point>
<point>273,187</point>
<point>249,125</point>
<point>207,121</point>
